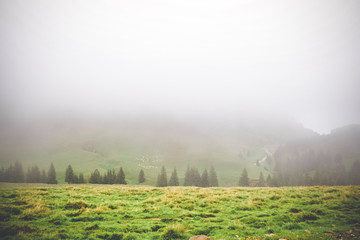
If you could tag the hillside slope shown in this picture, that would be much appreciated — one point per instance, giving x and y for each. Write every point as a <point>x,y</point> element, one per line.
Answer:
<point>148,143</point>
<point>328,159</point>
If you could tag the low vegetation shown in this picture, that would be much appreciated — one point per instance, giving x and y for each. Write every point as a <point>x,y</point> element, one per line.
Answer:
<point>38,211</point>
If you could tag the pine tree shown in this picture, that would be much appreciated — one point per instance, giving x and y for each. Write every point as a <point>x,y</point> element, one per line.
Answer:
<point>110,177</point>
<point>261,180</point>
<point>36,174</point>
<point>75,179</point>
<point>141,176</point>
<point>162,178</point>
<point>33,175</point>
<point>244,179</point>
<point>196,178</point>
<point>52,175</point>
<point>187,179</point>
<point>120,177</point>
<point>69,175</point>
<point>205,179</point>
<point>213,181</point>
<point>174,180</point>
<point>95,177</point>
<point>81,178</point>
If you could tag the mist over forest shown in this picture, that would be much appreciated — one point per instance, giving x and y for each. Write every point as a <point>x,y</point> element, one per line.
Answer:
<point>233,119</point>
<point>179,84</point>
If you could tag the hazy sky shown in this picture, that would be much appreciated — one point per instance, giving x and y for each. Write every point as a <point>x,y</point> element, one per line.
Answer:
<point>298,57</point>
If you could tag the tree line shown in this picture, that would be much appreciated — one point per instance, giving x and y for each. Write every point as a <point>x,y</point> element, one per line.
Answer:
<point>297,167</point>
<point>15,173</point>
<point>333,174</point>
<point>192,178</point>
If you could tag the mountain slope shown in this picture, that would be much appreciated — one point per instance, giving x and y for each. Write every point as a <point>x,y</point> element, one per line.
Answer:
<point>148,143</point>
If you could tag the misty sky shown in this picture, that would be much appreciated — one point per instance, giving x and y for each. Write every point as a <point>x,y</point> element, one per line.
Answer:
<point>301,58</point>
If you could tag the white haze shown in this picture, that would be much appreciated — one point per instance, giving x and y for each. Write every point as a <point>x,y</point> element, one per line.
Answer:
<point>103,58</point>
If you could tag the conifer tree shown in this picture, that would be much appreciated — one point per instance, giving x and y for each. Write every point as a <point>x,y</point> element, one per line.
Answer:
<point>33,175</point>
<point>196,178</point>
<point>69,175</point>
<point>141,177</point>
<point>120,178</point>
<point>205,179</point>
<point>75,179</point>
<point>162,178</point>
<point>174,180</point>
<point>52,175</point>
<point>244,179</point>
<point>261,180</point>
<point>110,177</point>
<point>187,179</point>
<point>81,178</point>
<point>95,177</point>
<point>213,181</point>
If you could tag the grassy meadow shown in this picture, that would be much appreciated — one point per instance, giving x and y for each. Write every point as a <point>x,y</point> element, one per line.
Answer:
<point>35,211</point>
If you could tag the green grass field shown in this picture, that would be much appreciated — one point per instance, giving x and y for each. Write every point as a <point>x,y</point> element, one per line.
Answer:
<point>130,212</point>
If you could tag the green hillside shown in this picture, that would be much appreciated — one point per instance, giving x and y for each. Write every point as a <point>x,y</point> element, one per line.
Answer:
<point>148,145</point>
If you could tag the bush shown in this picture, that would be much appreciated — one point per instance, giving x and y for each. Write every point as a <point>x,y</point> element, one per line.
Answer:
<point>76,204</point>
<point>177,231</point>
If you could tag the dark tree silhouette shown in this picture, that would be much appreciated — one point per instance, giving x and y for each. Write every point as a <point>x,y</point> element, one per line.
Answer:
<point>244,179</point>
<point>51,179</point>
<point>33,175</point>
<point>196,178</point>
<point>162,178</point>
<point>213,181</point>
<point>187,179</point>
<point>81,178</point>
<point>174,180</point>
<point>141,177</point>
<point>120,178</point>
<point>95,177</point>
<point>69,175</point>
<point>110,177</point>
<point>205,179</point>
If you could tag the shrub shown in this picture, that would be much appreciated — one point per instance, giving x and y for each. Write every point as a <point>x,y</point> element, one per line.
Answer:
<point>76,204</point>
<point>177,231</point>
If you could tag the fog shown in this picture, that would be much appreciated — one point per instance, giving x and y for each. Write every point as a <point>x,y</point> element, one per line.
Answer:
<point>181,58</point>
